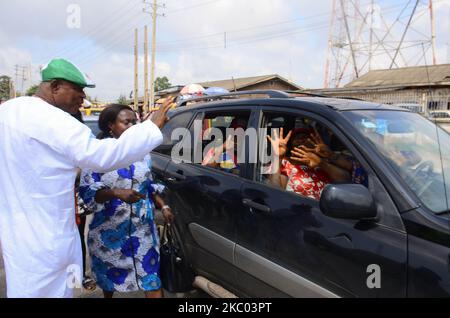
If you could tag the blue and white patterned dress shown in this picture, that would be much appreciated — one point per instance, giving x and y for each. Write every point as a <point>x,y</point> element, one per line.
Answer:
<point>123,239</point>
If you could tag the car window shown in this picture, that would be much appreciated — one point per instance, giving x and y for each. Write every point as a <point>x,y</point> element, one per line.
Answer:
<point>222,147</point>
<point>311,156</point>
<point>92,123</point>
<point>177,121</point>
<point>415,147</point>
<point>441,114</point>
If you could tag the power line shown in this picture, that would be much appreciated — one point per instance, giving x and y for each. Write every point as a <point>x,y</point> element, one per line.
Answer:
<point>404,34</point>
<point>249,39</point>
<point>239,41</point>
<point>120,14</point>
<point>243,29</point>
<point>111,35</point>
<point>114,42</point>
<point>388,8</point>
<point>394,43</point>
<point>193,6</point>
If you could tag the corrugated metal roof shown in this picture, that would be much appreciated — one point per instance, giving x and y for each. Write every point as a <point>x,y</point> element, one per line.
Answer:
<point>406,76</point>
<point>239,83</point>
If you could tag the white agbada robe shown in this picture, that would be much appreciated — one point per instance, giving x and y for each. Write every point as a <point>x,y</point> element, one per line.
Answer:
<point>41,148</point>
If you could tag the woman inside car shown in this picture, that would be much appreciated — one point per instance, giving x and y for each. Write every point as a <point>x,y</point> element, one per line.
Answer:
<point>301,168</point>
<point>123,238</point>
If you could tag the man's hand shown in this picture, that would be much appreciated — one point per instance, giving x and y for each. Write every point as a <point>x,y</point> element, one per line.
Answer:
<point>159,117</point>
<point>128,195</point>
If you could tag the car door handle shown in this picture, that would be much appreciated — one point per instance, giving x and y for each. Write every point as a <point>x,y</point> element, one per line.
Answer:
<point>176,176</point>
<point>260,207</point>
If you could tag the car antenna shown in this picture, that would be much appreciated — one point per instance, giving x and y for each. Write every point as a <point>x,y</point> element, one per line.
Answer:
<point>430,93</point>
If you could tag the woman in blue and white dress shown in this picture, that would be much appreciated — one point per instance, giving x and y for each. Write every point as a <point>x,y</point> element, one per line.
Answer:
<point>123,238</point>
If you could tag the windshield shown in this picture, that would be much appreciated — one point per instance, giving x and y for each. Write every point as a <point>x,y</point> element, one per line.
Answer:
<point>417,149</point>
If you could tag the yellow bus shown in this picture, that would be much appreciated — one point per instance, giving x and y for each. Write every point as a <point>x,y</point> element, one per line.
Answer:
<point>92,111</point>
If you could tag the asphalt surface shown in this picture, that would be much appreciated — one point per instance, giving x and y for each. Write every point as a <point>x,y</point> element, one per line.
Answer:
<point>2,277</point>
<point>81,293</point>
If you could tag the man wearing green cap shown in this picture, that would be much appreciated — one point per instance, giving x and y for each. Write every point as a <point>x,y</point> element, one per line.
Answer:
<point>41,148</point>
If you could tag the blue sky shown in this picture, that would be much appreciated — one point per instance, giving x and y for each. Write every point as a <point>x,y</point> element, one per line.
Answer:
<point>288,37</point>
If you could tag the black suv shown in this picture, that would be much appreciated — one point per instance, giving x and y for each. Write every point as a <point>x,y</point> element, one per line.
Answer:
<point>388,236</point>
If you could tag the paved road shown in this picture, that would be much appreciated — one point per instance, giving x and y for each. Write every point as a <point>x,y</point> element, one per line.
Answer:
<point>98,293</point>
<point>2,277</point>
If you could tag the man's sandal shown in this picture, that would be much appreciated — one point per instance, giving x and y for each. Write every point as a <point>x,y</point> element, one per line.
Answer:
<point>89,284</point>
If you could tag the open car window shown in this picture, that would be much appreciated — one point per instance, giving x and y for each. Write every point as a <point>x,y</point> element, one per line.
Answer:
<point>312,157</point>
<point>221,149</point>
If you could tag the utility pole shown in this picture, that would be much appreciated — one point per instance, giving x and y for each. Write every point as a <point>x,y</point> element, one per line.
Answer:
<point>12,91</point>
<point>20,70</point>
<point>433,33</point>
<point>30,74</point>
<point>16,73</point>
<point>24,69</point>
<point>136,71</point>
<point>154,14</point>
<point>146,107</point>
<point>152,79</point>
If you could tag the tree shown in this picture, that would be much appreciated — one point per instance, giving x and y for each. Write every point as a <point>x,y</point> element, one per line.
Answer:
<point>5,85</point>
<point>32,90</point>
<point>162,83</point>
<point>122,100</point>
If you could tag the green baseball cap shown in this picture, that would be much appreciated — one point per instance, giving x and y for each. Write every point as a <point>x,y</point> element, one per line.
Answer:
<point>63,69</point>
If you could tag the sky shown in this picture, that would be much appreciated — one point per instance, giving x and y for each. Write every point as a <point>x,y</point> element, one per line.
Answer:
<point>202,40</point>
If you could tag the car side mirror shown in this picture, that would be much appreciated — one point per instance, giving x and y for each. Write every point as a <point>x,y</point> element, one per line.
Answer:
<point>348,201</point>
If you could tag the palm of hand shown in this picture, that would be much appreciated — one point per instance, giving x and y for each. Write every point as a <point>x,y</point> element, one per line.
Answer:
<point>314,160</point>
<point>323,150</point>
<point>303,156</point>
<point>279,143</point>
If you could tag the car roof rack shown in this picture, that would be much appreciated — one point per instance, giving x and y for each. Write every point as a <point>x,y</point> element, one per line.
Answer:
<point>270,93</point>
<point>293,93</point>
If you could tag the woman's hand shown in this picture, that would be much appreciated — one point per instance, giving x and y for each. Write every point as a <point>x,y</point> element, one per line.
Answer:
<point>302,156</point>
<point>319,146</point>
<point>280,143</point>
<point>128,195</point>
<point>229,144</point>
<point>167,214</point>
<point>165,209</point>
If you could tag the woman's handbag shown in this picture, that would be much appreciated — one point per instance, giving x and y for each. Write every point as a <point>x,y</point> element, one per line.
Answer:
<point>176,274</point>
